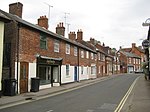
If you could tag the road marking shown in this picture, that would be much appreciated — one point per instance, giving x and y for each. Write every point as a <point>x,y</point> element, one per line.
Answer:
<point>50,111</point>
<point>122,102</point>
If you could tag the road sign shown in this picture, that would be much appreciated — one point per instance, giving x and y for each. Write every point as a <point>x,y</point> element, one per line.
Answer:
<point>145,44</point>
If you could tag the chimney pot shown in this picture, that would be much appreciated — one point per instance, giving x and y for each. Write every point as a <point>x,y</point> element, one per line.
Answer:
<point>60,29</point>
<point>43,22</point>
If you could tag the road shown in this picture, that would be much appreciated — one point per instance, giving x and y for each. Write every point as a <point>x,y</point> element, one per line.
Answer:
<point>103,96</point>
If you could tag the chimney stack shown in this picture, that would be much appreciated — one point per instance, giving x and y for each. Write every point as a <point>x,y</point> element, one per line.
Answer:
<point>60,29</point>
<point>43,22</point>
<point>16,9</point>
<point>79,35</point>
<point>133,45</point>
<point>72,36</point>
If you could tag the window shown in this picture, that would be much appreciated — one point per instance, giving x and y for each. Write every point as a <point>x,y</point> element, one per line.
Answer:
<point>43,42</point>
<point>99,57</point>
<point>56,46</point>
<point>67,48</point>
<point>92,56</point>
<point>87,54</point>
<point>82,54</point>
<point>75,51</point>
<point>129,60</point>
<point>99,69</point>
<point>93,70</point>
<point>82,70</point>
<point>67,70</point>
<point>44,75</point>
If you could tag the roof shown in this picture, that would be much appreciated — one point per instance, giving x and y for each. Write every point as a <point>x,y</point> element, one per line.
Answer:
<point>37,27</point>
<point>4,18</point>
<point>128,54</point>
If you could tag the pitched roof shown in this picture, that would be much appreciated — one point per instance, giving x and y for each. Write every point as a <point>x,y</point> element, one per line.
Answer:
<point>4,18</point>
<point>128,54</point>
<point>37,27</point>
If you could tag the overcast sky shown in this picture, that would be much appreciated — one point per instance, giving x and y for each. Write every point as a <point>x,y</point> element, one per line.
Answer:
<point>114,22</point>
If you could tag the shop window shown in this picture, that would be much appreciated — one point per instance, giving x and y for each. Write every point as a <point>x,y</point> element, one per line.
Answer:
<point>44,75</point>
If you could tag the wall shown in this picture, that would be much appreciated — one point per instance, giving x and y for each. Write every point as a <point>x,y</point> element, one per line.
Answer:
<point>1,50</point>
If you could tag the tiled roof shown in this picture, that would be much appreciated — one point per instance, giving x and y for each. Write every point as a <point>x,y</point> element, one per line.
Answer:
<point>36,27</point>
<point>4,18</point>
<point>128,54</point>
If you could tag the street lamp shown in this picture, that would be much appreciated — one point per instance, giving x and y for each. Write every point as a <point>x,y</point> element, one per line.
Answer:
<point>147,23</point>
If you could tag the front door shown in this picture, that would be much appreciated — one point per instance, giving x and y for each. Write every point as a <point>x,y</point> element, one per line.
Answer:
<point>55,76</point>
<point>75,74</point>
<point>24,77</point>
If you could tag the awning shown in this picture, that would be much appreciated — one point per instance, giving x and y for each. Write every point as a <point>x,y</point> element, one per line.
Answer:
<point>56,59</point>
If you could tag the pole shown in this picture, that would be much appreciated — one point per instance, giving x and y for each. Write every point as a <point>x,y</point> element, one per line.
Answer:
<point>148,37</point>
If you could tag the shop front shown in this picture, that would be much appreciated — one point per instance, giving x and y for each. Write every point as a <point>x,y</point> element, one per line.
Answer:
<point>49,71</point>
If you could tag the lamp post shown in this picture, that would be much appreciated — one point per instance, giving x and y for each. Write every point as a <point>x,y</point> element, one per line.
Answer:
<point>147,23</point>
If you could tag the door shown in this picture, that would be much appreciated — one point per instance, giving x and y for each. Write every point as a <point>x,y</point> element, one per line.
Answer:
<point>75,73</point>
<point>24,77</point>
<point>55,76</point>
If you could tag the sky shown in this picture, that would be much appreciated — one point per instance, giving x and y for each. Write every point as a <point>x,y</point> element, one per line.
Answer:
<point>113,22</point>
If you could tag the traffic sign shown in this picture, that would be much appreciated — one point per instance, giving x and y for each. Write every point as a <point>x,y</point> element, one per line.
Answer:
<point>145,44</point>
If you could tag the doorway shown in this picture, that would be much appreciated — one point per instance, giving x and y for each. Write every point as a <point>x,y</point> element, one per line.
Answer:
<point>24,77</point>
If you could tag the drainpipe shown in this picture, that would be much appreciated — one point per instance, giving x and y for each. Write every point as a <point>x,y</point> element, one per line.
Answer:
<point>18,55</point>
<point>78,64</point>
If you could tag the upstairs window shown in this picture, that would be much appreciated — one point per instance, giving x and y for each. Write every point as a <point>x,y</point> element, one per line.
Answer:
<point>87,54</point>
<point>82,54</point>
<point>56,46</point>
<point>75,51</point>
<point>92,56</point>
<point>43,42</point>
<point>67,48</point>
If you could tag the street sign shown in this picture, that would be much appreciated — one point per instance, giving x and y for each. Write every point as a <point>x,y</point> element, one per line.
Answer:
<point>145,44</point>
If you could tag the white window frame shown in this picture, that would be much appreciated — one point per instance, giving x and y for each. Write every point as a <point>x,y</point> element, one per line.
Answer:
<point>92,55</point>
<point>82,54</point>
<point>67,48</point>
<point>56,45</point>
<point>87,54</point>
<point>67,70</point>
<point>75,51</point>
<point>82,70</point>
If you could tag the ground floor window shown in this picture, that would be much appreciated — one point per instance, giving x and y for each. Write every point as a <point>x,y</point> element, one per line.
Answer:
<point>44,74</point>
<point>93,70</point>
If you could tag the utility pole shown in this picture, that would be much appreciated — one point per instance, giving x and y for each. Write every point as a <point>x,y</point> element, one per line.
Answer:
<point>49,6</point>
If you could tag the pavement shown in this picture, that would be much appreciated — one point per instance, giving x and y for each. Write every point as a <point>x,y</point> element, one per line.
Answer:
<point>138,100</point>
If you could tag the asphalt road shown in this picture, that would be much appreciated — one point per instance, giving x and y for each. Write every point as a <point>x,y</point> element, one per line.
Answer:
<point>100,97</point>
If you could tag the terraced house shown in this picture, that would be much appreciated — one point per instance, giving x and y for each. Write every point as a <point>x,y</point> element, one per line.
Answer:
<point>34,51</point>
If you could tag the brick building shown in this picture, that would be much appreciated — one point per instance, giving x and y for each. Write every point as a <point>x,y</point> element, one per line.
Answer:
<point>129,62</point>
<point>34,51</point>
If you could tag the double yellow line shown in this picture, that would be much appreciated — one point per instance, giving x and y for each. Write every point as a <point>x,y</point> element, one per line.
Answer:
<point>122,102</point>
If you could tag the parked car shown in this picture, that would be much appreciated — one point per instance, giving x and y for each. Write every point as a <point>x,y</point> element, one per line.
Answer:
<point>139,71</point>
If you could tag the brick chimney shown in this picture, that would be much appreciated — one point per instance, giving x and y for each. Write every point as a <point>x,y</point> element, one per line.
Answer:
<point>79,35</point>
<point>133,45</point>
<point>16,9</point>
<point>60,29</point>
<point>72,36</point>
<point>43,22</point>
